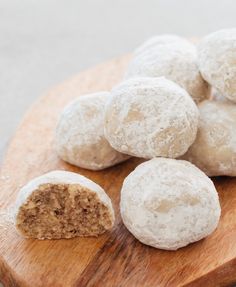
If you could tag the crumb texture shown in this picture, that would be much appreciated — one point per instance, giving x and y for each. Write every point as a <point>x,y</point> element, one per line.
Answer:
<point>54,210</point>
<point>169,203</point>
<point>174,58</point>
<point>149,117</point>
<point>80,136</point>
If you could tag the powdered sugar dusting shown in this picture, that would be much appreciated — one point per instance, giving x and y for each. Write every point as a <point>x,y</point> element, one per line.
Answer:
<point>217,57</point>
<point>164,208</point>
<point>150,117</point>
<point>6,221</point>
<point>5,177</point>
<point>174,58</point>
<point>214,150</point>
<point>164,39</point>
<point>80,137</point>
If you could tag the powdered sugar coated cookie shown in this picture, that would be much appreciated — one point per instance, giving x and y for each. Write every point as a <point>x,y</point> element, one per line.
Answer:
<point>62,204</point>
<point>169,203</point>
<point>214,150</point>
<point>174,58</point>
<point>149,117</point>
<point>80,134</point>
<point>217,58</point>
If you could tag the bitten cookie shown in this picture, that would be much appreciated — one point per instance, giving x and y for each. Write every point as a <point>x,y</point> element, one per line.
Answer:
<point>217,58</point>
<point>214,150</point>
<point>149,117</point>
<point>62,204</point>
<point>167,203</point>
<point>80,137</point>
<point>174,58</point>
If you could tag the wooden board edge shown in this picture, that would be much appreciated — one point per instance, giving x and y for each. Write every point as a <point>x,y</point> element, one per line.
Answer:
<point>8,277</point>
<point>224,275</point>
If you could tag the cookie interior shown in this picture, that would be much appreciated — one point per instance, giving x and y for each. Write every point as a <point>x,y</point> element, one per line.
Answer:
<point>56,211</point>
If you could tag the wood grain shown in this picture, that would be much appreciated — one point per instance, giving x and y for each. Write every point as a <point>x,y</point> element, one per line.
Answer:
<point>115,258</point>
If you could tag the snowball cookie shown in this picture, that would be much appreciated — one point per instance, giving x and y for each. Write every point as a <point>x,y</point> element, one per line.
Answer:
<point>174,58</point>
<point>217,61</point>
<point>149,117</point>
<point>62,204</point>
<point>168,203</point>
<point>214,150</point>
<point>80,134</point>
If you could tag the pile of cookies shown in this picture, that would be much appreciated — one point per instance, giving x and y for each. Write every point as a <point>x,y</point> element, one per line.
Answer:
<point>176,108</point>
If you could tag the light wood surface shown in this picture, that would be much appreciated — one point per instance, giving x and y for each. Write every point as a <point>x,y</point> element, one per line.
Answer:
<point>115,258</point>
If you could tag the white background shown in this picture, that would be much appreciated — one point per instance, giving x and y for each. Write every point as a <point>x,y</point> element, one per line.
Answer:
<point>44,42</point>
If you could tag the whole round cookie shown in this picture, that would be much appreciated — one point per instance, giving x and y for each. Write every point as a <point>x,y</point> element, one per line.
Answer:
<point>62,204</point>
<point>80,134</point>
<point>168,203</point>
<point>214,150</point>
<point>149,117</point>
<point>174,58</point>
<point>217,58</point>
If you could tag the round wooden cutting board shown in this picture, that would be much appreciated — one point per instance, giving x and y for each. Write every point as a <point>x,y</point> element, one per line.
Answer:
<point>115,258</point>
